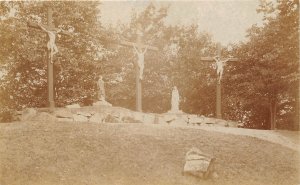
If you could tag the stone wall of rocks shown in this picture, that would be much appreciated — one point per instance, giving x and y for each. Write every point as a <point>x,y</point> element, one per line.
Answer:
<point>106,114</point>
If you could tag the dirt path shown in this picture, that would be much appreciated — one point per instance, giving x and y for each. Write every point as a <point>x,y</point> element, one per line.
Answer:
<point>289,139</point>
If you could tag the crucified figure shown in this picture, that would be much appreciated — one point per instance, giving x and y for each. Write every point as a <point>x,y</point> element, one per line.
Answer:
<point>140,61</point>
<point>220,66</point>
<point>51,43</point>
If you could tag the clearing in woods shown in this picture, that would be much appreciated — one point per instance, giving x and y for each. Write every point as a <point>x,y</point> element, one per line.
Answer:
<point>67,153</point>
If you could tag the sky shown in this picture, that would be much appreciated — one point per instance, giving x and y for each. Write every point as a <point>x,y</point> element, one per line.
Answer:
<point>226,20</point>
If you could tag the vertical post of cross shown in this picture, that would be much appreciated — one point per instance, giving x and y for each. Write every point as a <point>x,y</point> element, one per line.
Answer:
<point>138,80</point>
<point>50,65</point>
<point>219,89</point>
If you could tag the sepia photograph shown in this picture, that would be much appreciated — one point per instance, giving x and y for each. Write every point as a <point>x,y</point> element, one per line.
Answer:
<point>149,92</point>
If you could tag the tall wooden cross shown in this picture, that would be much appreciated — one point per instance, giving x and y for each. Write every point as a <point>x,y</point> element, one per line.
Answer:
<point>140,46</point>
<point>50,80</point>
<point>219,65</point>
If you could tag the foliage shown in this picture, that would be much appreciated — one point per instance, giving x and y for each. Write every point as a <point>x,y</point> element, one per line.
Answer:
<point>267,73</point>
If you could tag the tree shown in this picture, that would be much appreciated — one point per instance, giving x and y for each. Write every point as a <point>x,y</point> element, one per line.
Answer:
<point>269,66</point>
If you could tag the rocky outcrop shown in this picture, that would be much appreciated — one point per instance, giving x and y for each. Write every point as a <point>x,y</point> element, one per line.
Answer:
<point>108,114</point>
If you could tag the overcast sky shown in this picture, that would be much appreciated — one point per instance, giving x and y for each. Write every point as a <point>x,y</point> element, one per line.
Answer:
<point>226,20</point>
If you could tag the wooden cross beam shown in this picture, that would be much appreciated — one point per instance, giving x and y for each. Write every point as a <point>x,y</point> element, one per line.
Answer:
<point>50,80</point>
<point>218,94</point>
<point>140,46</point>
<point>132,44</point>
<point>211,59</point>
<point>38,26</point>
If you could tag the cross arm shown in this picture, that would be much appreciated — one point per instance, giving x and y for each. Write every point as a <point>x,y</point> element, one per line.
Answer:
<point>207,59</point>
<point>233,59</point>
<point>126,43</point>
<point>37,26</point>
<point>211,59</point>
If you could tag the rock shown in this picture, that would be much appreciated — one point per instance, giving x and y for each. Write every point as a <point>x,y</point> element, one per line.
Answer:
<point>221,122</point>
<point>86,114</point>
<point>149,118</point>
<point>160,120</point>
<point>111,119</point>
<point>73,106</point>
<point>64,119</point>
<point>169,118</point>
<point>80,118</point>
<point>44,116</point>
<point>129,119</point>
<point>63,113</point>
<point>97,118</point>
<point>102,103</point>
<point>198,164</point>
<point>16,115</point>
<point>28,114</point>
<point>175,112</point>
<point>214,175</point>
<point>209,121</point>
<point>138,116</point>
<point>196,120</point>
<point>240,125</point>
<point>176,119</point>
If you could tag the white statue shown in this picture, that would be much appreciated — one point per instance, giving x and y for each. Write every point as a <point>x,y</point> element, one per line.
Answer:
<point>175,100</point>
<point>51,43</point>
<point>220,66</point>
<point>101,92</point>
<point>140,61</point>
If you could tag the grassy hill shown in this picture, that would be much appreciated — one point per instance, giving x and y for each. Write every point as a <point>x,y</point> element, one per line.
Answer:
<point>67,153</point>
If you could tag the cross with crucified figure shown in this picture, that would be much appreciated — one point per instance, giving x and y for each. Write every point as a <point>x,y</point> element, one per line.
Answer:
<point>140,49</point>
<point>219,65</point>
<point>52,50</point>
<point>140,61</point>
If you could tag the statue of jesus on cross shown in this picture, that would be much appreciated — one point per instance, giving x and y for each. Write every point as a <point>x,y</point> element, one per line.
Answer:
<point>220,66</point>
<point>51,43</point>
<point>140,61</point>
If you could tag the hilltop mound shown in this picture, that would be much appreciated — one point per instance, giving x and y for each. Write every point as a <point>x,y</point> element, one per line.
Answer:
<point>135,153</point>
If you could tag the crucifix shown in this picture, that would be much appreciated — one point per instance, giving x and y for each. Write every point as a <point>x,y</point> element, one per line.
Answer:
<point>140,49</point>
<point>220,64</point>
<point>52,50</point>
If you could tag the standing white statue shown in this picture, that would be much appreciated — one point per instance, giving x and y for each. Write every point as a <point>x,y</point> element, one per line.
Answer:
<point>101,92</point>
<point>175,100</point>
<point>220,66</point>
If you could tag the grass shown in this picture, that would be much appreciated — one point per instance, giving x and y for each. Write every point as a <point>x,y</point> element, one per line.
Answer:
<point>75,154</point>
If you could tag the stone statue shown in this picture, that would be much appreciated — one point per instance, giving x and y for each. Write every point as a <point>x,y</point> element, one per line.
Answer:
<point>220,66</point>
<point>140,61</point>
<point>51,43</point>
<point>100,86</point>
<point>175,100</point>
